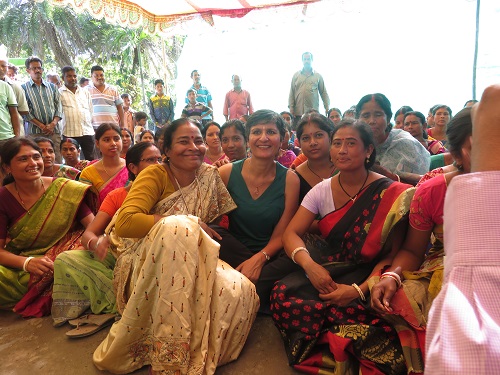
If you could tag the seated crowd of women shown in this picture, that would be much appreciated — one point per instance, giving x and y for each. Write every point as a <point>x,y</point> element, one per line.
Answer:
<point>185,241</point>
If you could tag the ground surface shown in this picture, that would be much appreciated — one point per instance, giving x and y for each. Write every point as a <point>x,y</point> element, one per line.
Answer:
<point>35,347</point>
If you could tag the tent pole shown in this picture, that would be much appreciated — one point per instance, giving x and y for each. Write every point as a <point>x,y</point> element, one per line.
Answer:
<point>476,47</point>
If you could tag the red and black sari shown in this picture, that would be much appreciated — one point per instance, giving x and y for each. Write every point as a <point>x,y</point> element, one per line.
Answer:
<point>353,339</point>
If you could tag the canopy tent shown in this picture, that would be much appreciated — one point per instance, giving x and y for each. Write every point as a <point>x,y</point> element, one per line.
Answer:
<point>161,16</point>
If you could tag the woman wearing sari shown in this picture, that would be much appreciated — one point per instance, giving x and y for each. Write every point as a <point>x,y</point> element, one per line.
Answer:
<point>50,168</point>
<point>405,292</point>
<point>322,313</point>
<point>40,217</point>
<point>70,151</point>
<point>183,310</point>
<point>110,172</point>
<point>84,279</point>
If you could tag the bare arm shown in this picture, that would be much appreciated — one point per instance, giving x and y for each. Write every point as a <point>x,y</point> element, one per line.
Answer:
<point>94,230</point>
<point>14,118</point>
<point>121,115</point>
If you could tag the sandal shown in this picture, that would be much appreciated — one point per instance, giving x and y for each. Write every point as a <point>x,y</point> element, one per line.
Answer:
<point>90,324</point>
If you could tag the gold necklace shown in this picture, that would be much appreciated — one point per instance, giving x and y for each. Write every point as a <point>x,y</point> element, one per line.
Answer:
<point>105,171</point>
<point>21,199</point>
<point>184,198</point>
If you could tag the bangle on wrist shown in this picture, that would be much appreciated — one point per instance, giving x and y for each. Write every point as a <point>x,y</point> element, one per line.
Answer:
<point>397,176</point>
<point>268,258</point>
<point>88,243</point>
<point>360,292</point>
<point>392,275</point>
<point>301,248</point>
<point>26,262</point>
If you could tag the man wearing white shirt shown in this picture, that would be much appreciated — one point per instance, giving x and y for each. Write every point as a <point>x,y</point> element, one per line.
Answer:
<point>22,104</point>
<point>77,112</point>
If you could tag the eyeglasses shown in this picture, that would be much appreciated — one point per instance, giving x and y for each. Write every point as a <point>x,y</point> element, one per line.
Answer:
<point>153,160</point>
<point>36,68</point>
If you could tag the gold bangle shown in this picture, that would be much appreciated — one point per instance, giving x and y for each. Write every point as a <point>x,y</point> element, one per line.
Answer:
<point>358,289</point>
<point>399,178</point>
<point>268,258</point>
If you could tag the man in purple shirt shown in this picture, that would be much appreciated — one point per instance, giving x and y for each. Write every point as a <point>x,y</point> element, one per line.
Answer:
<point>238,102</point>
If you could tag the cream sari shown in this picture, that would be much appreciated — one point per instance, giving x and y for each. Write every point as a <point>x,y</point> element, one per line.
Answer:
<point>184,311</point>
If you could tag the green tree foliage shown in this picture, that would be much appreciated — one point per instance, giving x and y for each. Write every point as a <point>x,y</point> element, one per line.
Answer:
<point>61,37</point>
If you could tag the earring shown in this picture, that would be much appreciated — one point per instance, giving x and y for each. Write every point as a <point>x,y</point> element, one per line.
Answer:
<point>460,167</point>
<point>367,160</point>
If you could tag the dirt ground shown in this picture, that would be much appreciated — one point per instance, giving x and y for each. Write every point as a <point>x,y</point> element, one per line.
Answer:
<point>35,347</point>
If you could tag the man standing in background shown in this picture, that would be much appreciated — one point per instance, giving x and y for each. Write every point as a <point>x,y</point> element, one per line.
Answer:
<point>22,104</point>
<point>238,102</point>
<point>77,112</point>
<point>202,96</point>
<point>307,85</point>
<point>106,102</point>
<point>44,103</point>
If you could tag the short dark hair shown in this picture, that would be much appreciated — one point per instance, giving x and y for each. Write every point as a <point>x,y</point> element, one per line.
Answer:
<point>470,101</point>
<point>191,90</point>
<point>365,133</point>
<point>10,149</point>
<point>83,80</point>
<point>67,69</point>
<point>134,156</point>
<point>125,95</point>
<point>13,67</point>
<point>96,68</point>
<point>104,127</point>
<point>265,116</point>
<point>194,71</point>
<point>139,115</point>
<point>31,59</point>
<point>159,81</point>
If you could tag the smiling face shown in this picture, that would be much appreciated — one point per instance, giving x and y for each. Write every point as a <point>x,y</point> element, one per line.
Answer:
<point>413,126</point>
<point>234,144</point>
<point>27,165</point>
<point>110,143</point>
<point>314,142</point>
<point>374,115</point>
<point>187,149</point>
<point>348,152</point>
<point>264,140</point>
<point>48,155</point>
<point>70,153</point>
<point>98,78</point>
<point>212,137</point>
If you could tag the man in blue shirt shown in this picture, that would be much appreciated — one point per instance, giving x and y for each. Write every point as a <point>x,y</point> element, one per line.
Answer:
<point>203,96</point>
<point>161,107</point>
<point>44,103</point>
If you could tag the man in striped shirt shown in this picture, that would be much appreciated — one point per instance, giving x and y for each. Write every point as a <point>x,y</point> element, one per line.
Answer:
<point>106,102</point>
<point>44,105</point>
<point>77,112</point>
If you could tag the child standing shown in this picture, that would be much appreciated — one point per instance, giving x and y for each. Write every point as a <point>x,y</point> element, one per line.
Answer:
<point>194,109</point>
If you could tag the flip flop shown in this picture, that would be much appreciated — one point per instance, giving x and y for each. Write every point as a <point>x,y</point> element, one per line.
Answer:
<point>91,325</point>
<point>95,319</point>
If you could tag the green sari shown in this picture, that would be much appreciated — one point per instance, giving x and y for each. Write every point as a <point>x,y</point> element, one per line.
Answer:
<point>48,230</point>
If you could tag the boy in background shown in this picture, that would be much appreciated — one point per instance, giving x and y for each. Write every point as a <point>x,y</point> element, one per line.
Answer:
<point>195,110</point>
<point>141,124</point>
